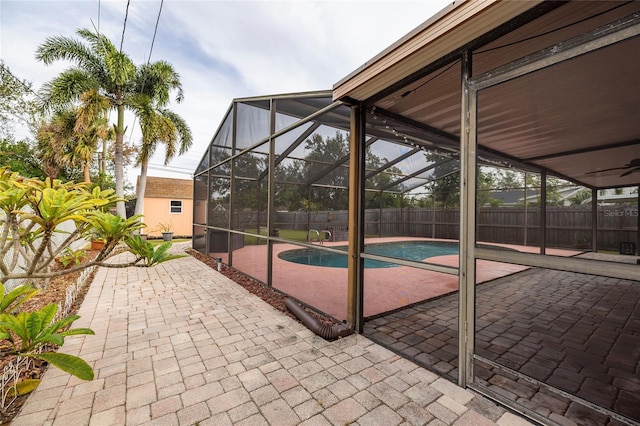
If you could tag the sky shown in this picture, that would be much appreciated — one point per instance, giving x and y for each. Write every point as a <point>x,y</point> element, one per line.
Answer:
<point>221,49</point>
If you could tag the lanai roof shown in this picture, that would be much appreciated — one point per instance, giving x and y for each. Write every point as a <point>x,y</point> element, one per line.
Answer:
<point>578,119</point>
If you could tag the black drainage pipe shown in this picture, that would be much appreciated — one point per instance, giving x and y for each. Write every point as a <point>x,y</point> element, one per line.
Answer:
<point>328,332</point>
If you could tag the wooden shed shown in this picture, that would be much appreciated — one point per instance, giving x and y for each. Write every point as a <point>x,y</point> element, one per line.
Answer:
<point>168,202</point>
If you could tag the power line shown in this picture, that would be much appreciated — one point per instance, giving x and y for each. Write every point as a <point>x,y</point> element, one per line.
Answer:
<point>153,40</point>
<point>165,166</point>
<point>155,31</point>
<point>177,170</point>
<point>124,27</point>
<point>26,86</point>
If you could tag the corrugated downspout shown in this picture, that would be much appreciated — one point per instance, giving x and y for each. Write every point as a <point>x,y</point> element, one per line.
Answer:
<point>325,331</point>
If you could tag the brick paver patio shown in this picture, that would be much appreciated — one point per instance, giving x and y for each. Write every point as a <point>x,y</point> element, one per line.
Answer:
<point>180,344</point>
<point>576,332</point>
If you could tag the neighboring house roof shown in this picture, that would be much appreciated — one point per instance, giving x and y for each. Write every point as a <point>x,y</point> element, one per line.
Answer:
<point>512,197</point>
<point>616,198</point>
<point>219,208</point>
<point>168,188</point>
<point>564,194</point>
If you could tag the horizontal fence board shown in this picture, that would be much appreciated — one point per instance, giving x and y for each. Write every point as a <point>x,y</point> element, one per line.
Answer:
<point>567,227</point>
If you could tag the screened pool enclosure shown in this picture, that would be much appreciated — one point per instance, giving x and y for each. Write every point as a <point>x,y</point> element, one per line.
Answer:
<point>384,202</point>
<point>289,230</point>
<point>248,216</point>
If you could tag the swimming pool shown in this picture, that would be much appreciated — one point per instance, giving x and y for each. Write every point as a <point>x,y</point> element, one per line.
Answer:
<point>408,250</point>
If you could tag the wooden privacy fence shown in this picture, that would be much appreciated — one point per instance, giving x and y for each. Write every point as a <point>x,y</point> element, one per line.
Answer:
<point>567,227</point>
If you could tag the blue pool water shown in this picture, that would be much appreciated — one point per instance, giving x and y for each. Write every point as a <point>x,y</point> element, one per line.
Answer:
<point>408,250</point>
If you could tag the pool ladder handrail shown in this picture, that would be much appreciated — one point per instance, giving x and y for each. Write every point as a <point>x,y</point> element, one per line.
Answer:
<point>311,232</point>
<point>318,238</point>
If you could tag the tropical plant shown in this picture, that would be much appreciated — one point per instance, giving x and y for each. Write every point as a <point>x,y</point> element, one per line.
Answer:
<point>31,238</point>
<point>11,301</point>
<point>158,125</point>
<point>164,227</point>
<point>34,212</point>
<point>70,256</point>
<point>99,66</point>
<point>154,83</point>
<point>28,332</point>
<point>111,75</point>
<point>150,255</point>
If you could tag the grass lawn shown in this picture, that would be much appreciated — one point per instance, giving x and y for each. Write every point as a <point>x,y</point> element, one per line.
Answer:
<point>288,234</point>
<point>158,241</point>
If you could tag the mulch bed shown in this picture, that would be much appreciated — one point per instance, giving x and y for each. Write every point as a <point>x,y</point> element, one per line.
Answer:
<point>54,293</point>
<point>268,294</point>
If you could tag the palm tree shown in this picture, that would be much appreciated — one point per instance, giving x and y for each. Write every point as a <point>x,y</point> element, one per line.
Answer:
<point>48,137</point>
<point>70,139</point>
<point>98,66</point>
<point>101,67</point>
<point>159,126</point>
<point>91,127</point>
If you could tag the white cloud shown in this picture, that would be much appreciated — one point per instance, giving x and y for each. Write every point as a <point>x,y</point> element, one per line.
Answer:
<point>222,49</point>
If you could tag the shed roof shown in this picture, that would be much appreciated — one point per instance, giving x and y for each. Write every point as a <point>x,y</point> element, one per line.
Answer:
<point>158,187</point>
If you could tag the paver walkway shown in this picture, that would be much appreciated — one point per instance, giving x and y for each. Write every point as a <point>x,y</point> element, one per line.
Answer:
<point>579,333</point>
<point>180,344</point>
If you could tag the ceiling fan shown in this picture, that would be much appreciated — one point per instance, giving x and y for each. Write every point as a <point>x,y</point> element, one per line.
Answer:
<point>631,167</point>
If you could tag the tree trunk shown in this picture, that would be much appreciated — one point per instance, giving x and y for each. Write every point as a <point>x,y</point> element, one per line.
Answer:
<point>142,185</point>
<point>103,161</point>
<point>86,173</point>
<point>119,159</point>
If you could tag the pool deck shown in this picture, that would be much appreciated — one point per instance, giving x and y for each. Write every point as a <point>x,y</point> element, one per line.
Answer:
<point>325,288</point>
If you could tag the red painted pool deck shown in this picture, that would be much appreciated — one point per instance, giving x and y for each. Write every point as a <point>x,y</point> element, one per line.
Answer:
<point>385,289</point>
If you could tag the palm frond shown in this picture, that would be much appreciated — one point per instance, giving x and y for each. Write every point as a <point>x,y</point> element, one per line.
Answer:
<point>93,109</point>
<point>98,42</point>
<point>182,128</point>
<point>120,69</point>
<point>62,48</point>
<point>158,80</point>
<point>66,88</point>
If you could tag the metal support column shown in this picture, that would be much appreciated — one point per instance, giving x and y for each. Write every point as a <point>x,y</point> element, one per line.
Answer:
<point>270,192</point>
<point>380,215</point>
<point>466,279</point>
<point>232,184</point>
<point>355,284</point>
<point>308,212</point>
<point>433,214</point>
<point>543,212</point>
<point>638,224</point>
<point>526,210</point>
<point>594,220</point>
<point>207,206</point>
